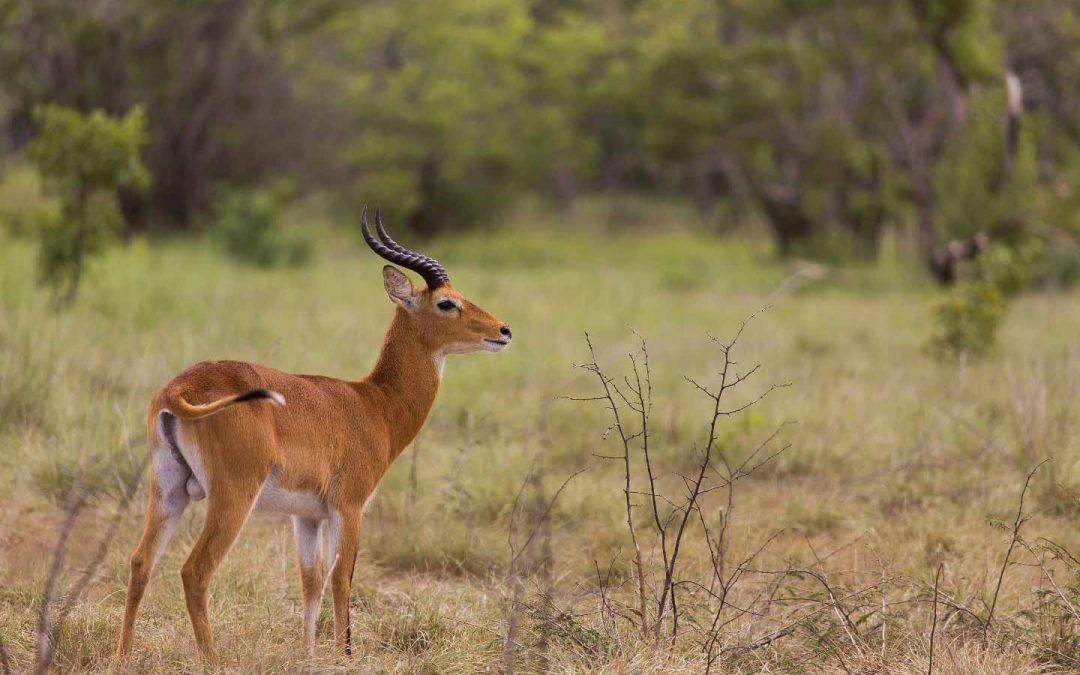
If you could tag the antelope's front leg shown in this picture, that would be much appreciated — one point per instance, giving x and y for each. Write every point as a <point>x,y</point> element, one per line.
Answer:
<point>309,551</point>
<point>344,542</point>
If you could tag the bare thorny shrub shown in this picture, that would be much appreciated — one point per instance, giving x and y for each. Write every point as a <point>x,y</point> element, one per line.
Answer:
<point>667,599</point>
<point>738,611</point>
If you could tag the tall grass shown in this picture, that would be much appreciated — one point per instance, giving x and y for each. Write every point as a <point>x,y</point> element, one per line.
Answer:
<point>896,457</point>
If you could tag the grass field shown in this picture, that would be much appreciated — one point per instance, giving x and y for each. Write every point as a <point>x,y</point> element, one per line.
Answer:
<point>900,464</point>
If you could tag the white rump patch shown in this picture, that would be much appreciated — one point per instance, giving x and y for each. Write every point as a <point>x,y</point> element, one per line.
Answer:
<point>276,397</point>
<point>197,485</point>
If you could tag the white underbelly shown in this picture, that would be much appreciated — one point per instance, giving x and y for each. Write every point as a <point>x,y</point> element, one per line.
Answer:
<point>275,499</point>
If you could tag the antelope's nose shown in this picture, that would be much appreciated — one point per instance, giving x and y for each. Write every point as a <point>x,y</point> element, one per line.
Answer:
<point>505,330</point>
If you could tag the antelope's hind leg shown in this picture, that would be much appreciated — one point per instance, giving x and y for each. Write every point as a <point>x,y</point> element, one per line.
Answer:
<point>167,498</point>
<point>227,509</point>
<point>309,552</point>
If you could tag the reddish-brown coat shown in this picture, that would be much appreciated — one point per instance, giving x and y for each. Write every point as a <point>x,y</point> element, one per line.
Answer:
<point>332,438</point>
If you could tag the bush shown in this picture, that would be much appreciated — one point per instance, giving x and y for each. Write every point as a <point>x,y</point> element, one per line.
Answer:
<point>83,160</point>
<point>1010,269</point>
<point>968,317</point>
<point>967,320</point>
<point>248,225</point>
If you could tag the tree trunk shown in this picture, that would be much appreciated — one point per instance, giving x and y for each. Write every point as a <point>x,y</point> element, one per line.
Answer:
<point>702,180</point>
<point>789,223</point>
<point>564,189</point>
<point>427,220</point>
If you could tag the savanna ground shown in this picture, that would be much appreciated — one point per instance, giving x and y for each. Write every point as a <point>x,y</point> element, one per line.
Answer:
<point>900,464</point>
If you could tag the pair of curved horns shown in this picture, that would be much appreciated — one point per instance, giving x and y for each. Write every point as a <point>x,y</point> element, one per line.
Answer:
<point>429,268</point>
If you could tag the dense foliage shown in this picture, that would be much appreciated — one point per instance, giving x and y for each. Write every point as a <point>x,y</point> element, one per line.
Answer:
<point>829,120</point>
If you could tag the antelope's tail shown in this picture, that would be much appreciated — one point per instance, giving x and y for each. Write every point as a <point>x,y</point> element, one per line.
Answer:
<point>186,411</point>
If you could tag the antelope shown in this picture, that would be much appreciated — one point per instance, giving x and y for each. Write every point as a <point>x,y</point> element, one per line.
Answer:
<point>251,438</point>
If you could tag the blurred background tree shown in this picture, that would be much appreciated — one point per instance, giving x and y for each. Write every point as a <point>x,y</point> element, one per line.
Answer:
<point>828,125</point>
<point>84,160</point>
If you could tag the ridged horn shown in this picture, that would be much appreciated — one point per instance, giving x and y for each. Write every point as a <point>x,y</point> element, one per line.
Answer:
<point>433,273</point>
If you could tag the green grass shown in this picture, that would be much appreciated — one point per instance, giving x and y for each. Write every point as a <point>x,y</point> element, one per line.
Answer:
<point>895,456</point>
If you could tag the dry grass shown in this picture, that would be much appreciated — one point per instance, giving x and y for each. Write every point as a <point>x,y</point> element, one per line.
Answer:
<point>900,463</point>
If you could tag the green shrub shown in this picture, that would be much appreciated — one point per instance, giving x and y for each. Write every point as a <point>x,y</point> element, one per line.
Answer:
<point>247,223</point>
<point>83,160</point>
<point>967,320</point>
<point>1010,269</point>
<point>968,317</point>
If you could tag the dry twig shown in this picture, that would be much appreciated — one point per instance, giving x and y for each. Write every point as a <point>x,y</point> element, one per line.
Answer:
<point>933,624</point>
<point>1017,524</point>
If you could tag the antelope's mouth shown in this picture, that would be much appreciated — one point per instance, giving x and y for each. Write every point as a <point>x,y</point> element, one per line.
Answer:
<point>495,345</point>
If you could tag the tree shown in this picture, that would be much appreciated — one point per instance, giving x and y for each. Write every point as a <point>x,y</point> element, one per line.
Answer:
<point>566,60</point>
<point>437,104</point>
<point>783,99</point>
<point>83,161</point>
<point>952,45</point>
<point>220,106</point>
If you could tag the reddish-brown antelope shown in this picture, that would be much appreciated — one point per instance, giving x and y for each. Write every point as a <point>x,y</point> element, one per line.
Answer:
<point>309,446</point>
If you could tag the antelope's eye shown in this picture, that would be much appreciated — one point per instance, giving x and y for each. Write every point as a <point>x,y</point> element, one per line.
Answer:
<point>445,305</point>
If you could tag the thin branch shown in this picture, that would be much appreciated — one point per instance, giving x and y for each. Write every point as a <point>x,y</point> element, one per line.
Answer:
<point>1050,578</point>
<point>543,516</point>
<point>1017,524</point>
<point>933,624</point>
<point>751,404</point>
<point>838,608</point>
<point>76,501</point>
<point>606,384</point>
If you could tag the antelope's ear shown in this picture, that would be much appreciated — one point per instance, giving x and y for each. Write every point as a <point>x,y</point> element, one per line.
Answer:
<point>399,288</point>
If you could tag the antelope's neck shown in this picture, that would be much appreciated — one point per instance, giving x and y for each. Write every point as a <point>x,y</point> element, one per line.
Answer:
<point>406,378</point>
